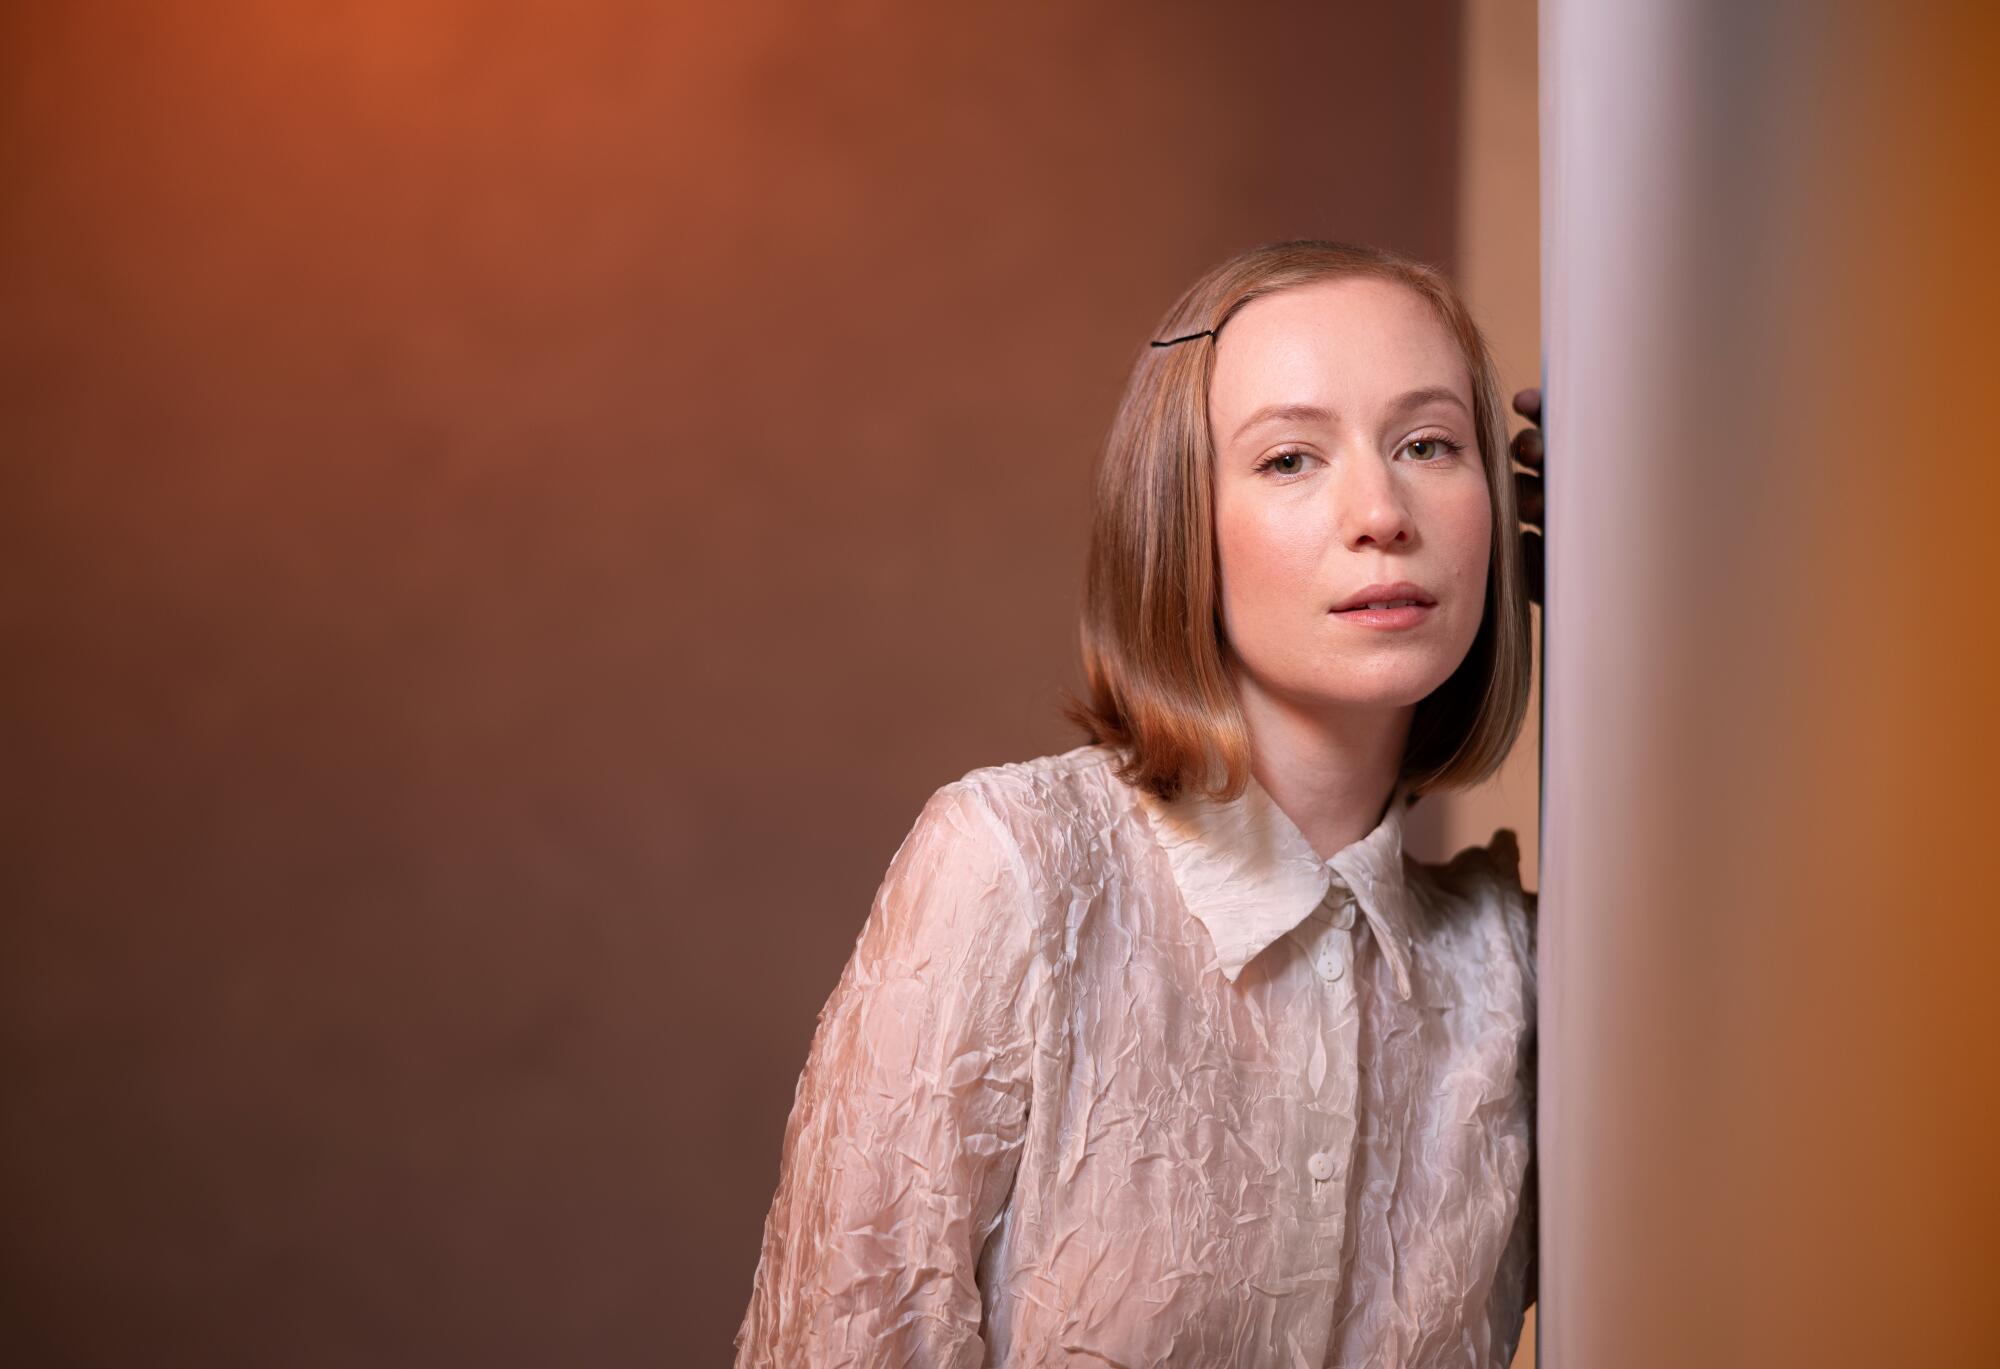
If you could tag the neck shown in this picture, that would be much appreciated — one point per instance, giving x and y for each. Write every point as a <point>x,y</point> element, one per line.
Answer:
<point>1330,770</point>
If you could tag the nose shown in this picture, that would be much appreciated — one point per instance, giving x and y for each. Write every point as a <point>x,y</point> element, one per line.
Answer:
<point>1373,509</point>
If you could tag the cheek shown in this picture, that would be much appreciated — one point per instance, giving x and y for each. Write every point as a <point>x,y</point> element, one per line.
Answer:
<point>1262,547</point>
<point>1465,525</point>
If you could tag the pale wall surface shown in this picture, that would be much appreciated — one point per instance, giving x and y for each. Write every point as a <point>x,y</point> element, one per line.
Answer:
<point>1769,1064</point>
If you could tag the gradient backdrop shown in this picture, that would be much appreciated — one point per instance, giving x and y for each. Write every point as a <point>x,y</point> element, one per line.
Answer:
<point>508,511</point>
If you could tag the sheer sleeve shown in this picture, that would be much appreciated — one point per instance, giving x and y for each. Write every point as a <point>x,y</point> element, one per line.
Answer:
<point>908,1119</point>
<point>1517,1287</point>
<point>1530,1077</point>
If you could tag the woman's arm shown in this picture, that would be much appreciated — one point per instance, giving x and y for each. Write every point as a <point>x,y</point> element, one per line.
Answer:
<point>1517,1287</point>
<point>907,1123</point>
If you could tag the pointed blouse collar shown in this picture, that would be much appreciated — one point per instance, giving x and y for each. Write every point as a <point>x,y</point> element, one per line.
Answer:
<point>1248,873</point>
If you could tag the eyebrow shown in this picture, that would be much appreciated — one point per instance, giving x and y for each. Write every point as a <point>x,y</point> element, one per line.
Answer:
<point>1313,413</point>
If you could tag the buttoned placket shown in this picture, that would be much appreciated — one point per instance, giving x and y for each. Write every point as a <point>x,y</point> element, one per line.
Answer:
<point>1327,936</point>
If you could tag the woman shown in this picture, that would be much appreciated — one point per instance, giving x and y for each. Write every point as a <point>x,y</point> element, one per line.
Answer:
<point>1162,1050</point>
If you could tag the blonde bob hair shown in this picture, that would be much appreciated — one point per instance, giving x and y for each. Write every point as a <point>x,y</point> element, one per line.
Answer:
<point>1157,671</point>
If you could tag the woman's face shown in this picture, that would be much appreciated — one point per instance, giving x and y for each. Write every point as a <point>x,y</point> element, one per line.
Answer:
<point>1346,456</point>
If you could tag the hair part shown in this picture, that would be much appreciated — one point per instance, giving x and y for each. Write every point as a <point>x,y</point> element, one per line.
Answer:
<point>1159,685</point>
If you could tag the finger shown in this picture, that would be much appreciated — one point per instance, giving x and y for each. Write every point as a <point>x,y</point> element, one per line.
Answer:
<point>1528,404</point>
<point>1528,497</point>
<point>1532,549</point>
<point>1528,447</point>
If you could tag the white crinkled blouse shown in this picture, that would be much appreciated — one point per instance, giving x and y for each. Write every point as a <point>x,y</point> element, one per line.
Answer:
<point>1113,1081</point>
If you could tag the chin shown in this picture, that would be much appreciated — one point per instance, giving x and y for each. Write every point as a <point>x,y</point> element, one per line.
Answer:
<point>1397,687</point>
<point>1353,693</point>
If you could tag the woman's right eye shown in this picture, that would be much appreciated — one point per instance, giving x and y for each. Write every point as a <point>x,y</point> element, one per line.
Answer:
<point>1285,463</point>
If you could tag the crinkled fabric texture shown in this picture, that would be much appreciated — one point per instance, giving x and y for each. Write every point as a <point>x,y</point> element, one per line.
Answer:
<point>1108,1081</point>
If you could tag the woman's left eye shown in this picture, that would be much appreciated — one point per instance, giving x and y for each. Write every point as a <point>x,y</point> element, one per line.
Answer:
<point>1437,447</point>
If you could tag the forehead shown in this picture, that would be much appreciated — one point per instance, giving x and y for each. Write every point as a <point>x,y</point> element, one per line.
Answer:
<point>1343,344</point>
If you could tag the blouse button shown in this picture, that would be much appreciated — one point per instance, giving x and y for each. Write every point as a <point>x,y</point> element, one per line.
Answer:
<point>1320,1166</point>
<point>1329,964</point>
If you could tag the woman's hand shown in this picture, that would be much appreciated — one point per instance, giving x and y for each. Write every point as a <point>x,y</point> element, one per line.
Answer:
<point>1528,450</point>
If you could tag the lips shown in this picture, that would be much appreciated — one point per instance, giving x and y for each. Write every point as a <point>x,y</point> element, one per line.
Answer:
<point>1396,595</point>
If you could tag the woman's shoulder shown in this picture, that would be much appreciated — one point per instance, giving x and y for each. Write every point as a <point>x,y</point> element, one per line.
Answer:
<point>991,851</point>
<point>1484,882</point>
<point>1046,805</point>
<point>1495,865</point>
<point>1066,785</point>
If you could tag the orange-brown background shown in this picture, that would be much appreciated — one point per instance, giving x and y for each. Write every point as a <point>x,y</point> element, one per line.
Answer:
<point>508,510</point>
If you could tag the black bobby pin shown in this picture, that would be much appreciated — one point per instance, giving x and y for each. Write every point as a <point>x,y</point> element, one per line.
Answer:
<point>1206,332</point>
